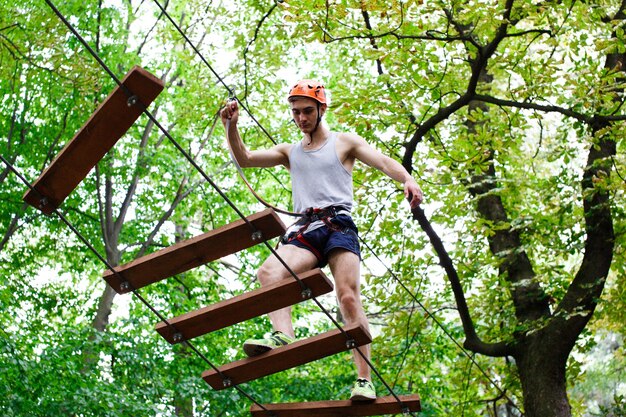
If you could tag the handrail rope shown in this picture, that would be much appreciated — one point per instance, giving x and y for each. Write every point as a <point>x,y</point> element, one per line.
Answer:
<point>436,320</point>
<point>134,100</point>
<point>231,92</point>
<point>86,242</point>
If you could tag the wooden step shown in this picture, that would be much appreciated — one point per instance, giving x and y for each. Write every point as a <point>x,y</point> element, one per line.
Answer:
<point>106,126</point>
<point>381,406</point>
<point>245,306</point>
<point>194,252</point>
<point>285,357</point>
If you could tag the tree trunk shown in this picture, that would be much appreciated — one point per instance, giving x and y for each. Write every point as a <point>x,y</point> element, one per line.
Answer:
<point>105,304</point>
<point>183,404</point>
<point>542,374</point>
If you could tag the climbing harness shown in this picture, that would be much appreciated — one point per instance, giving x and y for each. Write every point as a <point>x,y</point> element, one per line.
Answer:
<point>312,215</point>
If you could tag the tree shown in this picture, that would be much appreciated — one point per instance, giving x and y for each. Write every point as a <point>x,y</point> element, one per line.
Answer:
<point>476,134</point>
<point>122,208</point>
<point>509,114</point>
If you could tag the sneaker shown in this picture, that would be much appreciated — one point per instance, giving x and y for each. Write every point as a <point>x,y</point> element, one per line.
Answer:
<point>363,391</point>
<point>254,347</point>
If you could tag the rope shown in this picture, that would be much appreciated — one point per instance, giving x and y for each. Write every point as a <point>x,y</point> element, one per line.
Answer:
<point>436,320</point>
<point>86,242</point>
<point>242,175</point>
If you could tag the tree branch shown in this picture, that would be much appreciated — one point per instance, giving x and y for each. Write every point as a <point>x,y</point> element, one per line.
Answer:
<point>13,226</point>
<point>139,163</point>
<point>379,64</point>
<point>477,65</point>
<point>590,120</point>
<point>581,299</point>
<point>111,247</point>
<point>472,341</point>
<point>599,228</point>
<point>149,32</point>
<point>180,195</point>
<point>250,42</point>
<point>328,38</point>
<point>529,299</point>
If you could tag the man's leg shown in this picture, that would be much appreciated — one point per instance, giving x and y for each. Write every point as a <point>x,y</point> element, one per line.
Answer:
<point>345,267</point>
<point>272,270</point>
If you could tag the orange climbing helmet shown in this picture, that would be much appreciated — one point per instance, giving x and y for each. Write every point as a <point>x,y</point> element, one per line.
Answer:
<point>308,88</point>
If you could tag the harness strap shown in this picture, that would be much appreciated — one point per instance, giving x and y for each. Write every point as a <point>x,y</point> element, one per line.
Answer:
<point>313,214</point>
<point>300,238</point>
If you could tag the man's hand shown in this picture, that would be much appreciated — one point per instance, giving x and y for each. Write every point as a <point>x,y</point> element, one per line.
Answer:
<point>413,193</point>
<point>230,112</point>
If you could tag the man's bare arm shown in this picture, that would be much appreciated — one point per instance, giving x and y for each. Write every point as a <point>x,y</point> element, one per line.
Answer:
<point>365,153</point>
<point>276,155</point>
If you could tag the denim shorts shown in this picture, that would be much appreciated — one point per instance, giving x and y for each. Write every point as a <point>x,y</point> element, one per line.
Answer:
<point>322,240</point>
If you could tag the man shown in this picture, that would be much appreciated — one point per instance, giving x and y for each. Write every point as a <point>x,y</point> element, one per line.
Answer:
<point>321,172</point>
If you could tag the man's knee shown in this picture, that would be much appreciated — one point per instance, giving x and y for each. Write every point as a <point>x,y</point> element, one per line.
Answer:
<point>349,300</point>
<point>297,259</point>
<point>268,272</point>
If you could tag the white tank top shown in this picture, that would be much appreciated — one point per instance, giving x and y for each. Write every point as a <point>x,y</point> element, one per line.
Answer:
<point>318,178</point>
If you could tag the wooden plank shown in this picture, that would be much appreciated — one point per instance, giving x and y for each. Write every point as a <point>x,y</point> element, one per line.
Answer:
<point>105,127</point>
<point>285,357</point>
<point>381,406</point>
<point>196,251</point>
<point>245,306</point>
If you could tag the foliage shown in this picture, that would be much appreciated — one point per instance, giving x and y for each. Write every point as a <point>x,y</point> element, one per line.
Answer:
<point>393,68</point>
